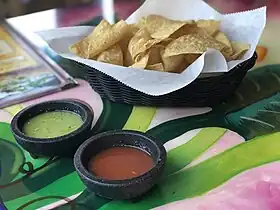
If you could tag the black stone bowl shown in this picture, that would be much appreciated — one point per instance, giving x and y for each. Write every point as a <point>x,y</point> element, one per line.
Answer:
<point>120,189</point>
<point>62,146</point>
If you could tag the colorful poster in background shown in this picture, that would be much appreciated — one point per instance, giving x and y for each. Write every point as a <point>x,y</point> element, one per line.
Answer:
<point>36,80</point>
<point>12,56</point>
<point>220,158</point>
<point>23,74</point>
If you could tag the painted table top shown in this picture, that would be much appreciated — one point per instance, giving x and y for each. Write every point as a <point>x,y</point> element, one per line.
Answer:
<point>221,158</point>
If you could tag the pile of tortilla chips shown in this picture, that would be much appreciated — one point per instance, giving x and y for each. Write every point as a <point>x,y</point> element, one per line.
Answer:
<point>156,43</point>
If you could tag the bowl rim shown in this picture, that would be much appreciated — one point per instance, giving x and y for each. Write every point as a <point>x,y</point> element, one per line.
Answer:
<point>84,172</point>
<point>89,115</point>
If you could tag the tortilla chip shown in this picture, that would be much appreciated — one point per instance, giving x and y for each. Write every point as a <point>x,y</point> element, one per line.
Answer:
<point>171,63</point>
<point>156,67</point>
<point>127,58</point>
<point>81,48</point>
<point>192,44</point>
<point>156,43</point>
<point>160,27</point>
<point>211,26</point>
<point>165,42</point>
<point>132,30</point>
<point>227,56</point>
<point>113,55</point>
<point>142,61</point>
<point>221,37</point>
<point>190,58</point>
<point>189,29</point>
<point>181,67</point>
<point>105,36</point>
<point>141,42</point>
<point>155,56</point>
<point>239,49</point>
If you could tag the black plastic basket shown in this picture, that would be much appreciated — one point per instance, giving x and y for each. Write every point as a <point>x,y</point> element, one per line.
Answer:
<point>207,91</point>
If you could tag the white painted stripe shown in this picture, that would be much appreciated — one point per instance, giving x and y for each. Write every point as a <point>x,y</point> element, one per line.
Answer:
<point>59,203</point>
<point>180,140</point>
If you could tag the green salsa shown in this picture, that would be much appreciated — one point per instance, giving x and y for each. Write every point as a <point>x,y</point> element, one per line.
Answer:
<point>52,124</point>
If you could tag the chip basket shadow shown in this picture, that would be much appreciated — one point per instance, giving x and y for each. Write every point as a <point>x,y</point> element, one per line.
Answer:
<point>208,91</point>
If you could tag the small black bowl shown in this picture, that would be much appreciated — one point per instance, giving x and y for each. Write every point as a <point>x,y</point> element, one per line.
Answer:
<point>120,189</point>
<point>63,146</point>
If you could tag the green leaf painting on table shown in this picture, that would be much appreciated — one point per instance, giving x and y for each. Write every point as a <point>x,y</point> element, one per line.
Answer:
<point>184,154</point>
<point>38,175</point>
<point>11,158</point>
<point>257,96</point>
<point>139,119</point>
<point>266,100</point>
<point>27,168</point>
<point>111,112</point>
<point>207,175</point>
<point>258,84</point>
<point>258,119</point>
<point>256,113</point>
<point>252,112</point>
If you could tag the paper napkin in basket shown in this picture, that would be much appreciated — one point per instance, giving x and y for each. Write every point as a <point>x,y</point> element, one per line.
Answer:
<point>244,27</point>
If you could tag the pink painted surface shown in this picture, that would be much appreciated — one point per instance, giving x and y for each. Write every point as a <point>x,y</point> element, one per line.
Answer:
<point>255,189</point>
<point>228,140</point>
<point>5,116</point>
<point>71,16</point>
<point>273,6</point>
<point>82,92</point>
<point>66,18</point>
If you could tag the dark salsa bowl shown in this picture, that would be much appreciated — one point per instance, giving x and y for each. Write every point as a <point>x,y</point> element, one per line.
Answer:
<point>63,146</point>
<point>126,188</point>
